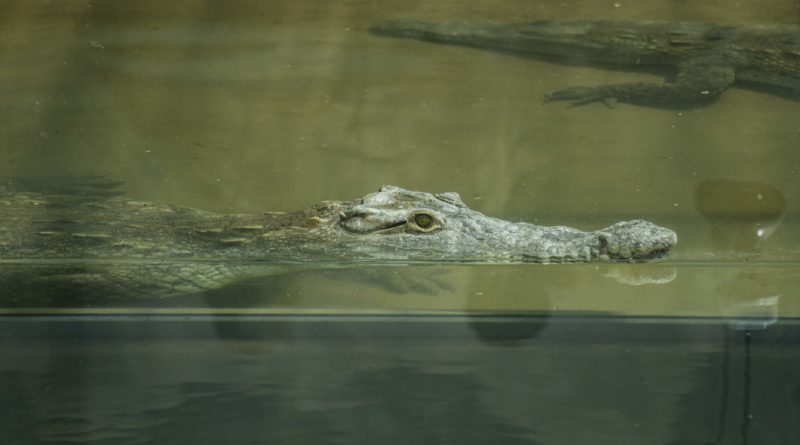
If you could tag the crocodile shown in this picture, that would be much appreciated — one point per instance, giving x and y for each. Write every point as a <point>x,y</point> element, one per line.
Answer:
<point>707,58</point>
<point>137,246</point>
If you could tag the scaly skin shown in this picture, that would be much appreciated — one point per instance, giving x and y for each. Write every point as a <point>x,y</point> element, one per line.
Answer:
<point>172,250</point>
<point>392,224</point>
<point>708,58</point>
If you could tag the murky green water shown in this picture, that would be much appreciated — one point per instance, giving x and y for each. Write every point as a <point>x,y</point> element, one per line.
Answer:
<point>249,106</point>
<point>388,379</point>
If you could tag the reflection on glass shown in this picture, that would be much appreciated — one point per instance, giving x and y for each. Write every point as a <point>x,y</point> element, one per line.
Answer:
<point>742,214</point>
<point>243,107</point>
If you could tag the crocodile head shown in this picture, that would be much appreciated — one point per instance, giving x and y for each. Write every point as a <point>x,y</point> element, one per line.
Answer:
<point>399,224</point>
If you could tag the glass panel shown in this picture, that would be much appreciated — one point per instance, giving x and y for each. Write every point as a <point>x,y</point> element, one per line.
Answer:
<point>190,217</point>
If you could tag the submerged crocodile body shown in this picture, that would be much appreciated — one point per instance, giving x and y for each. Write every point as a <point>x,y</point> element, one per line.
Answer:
<point>162,247</point>
<point>708,58</point>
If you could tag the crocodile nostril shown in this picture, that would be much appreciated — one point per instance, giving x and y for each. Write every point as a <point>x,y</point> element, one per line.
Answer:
<point>603,239</point>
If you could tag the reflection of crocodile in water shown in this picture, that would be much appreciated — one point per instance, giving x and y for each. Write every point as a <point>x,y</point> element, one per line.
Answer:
<point>709,58</point>
<point>391,225</point>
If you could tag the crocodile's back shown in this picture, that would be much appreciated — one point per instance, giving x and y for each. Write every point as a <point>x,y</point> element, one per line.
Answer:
<point>708,58</point>
<point>69,249</point>
<point>34,225</point>
<point>767,55</point>
<point>37,226</point>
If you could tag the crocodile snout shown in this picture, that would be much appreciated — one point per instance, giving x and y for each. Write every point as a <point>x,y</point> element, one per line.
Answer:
<point>635,240</point>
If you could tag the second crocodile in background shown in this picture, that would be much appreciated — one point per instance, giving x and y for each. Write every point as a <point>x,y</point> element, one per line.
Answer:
<point>708,58</point>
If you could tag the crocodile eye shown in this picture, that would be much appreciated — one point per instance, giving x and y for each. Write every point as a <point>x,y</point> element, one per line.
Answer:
<point>423,222</point>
